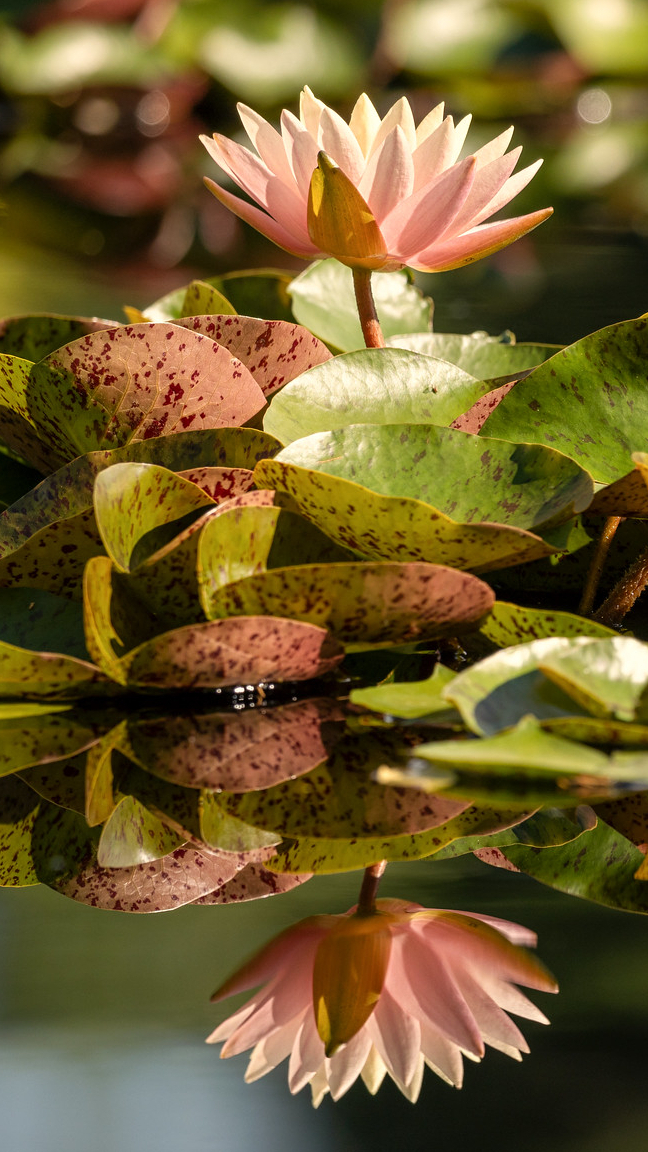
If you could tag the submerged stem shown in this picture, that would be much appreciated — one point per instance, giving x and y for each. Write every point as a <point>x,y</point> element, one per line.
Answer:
<point>371,330</point>
<point>370,882</point>
<point>598,560</point>
<point>625,594</point>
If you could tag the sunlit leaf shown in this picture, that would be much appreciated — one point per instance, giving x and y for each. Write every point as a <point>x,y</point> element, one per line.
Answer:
<point>132,835</point>
<point>409,700</point>
<point>484,357</point>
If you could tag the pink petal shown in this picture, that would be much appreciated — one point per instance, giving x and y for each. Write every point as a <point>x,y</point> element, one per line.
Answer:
<point>494,148</point>
<point>511,999</point>
<point>434,154</point>
<point>412,1089</point>
<point>344,1068</point>
<point>374,1071</point>
<point>338,141</point>
<point>271,1051</point>
<point>229,1026</point>
<point>364,123</point>
<point>310,111</point>
<point>397,1036</point>
<point>267,963</point>
<point>509,190</point>
<point>291,241</point>
<point>429,124</point>
<point>400,114</point>
<point>425,988</point>
<point>389,175</point>
<point>268,143</point>
<point>243,167</point>
<point>473,944</point>
<point>257,1027</point>
<point>496,1027</point>
<point>480,241</point>
<point>302,151</point>
<point>442,1056</point>
<point>307,1055</point>
<point>488,182</point>
<point>319,1086</point>
<point>427,214</point>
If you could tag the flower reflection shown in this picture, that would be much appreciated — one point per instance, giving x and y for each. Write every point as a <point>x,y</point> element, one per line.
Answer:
<point>375,193</point>
<point>384,992</point>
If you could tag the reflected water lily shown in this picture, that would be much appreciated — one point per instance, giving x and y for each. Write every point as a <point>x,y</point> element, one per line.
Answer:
<point>375,193</point>
<point>383,992</point>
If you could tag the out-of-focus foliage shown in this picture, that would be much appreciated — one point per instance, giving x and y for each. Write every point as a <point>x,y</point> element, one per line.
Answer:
<point>102,104</point>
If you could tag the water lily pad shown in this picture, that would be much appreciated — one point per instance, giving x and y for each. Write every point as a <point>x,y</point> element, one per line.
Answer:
<point>50,674</point>
<point>397,527</point>
<point>324,302</point>
<point>372,386</point>
<point>410,700</point>
<point>589,400</point>
<point>468,478</point>
<point>136,382</point>
<point>201,298</point>
<point>61,782</point>
<point>546,828</point>
<point>485,357</point>
<point>220,483</point>
<point>512,624</point>
<point>33,336</point>
<point>247,540</point>
<point>221,830</point>
<point>606,677</point>
<point>132,500</point>
<point>272,350</point>
<point>497,692</point>
<point>368,603</point>
<point>19,807</point>
<point>599,866</point>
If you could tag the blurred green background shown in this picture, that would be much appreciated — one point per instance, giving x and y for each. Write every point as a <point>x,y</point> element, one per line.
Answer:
<point>102,101</point>
<point>101,104</point>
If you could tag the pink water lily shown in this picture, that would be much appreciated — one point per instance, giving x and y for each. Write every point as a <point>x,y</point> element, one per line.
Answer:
<point>375,193</point>
<point>383,993</point>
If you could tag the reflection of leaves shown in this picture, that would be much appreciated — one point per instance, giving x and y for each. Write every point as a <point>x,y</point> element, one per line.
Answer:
<point>253,883</point>
<point>240,752</point>
<point>132,835</point>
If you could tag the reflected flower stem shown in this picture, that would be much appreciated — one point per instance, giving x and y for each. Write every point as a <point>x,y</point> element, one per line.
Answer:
<point>370,884</point>
<point>371,330</point>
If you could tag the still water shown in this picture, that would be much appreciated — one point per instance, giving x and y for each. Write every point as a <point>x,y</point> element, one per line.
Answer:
<point>104,1017</point>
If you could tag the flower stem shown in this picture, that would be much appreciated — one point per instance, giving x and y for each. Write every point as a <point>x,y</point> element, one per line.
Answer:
<point>598,560</point>
<point>371,330</point>
<point>625,594</point>
<point>370,882</point>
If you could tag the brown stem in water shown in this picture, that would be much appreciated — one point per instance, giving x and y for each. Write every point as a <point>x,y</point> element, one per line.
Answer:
<point>625,594</point>
<point>370,882</point>
<point>598,561</point>
<point>371,330</point>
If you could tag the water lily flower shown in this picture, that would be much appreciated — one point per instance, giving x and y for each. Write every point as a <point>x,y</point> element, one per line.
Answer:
<point>385,992</point>
<point>375,193</point>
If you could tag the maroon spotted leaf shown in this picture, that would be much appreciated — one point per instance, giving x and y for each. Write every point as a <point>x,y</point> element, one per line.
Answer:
<point>253,883</point>
<point>274,351</point>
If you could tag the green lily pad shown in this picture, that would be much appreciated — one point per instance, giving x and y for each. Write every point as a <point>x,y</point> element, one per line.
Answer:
<point>497,692</point>
<point>323,301</point>
<point>33,336</point>
<point>372,386</point>
<point>257,292</point>
<point>272,350</point>
<point>37,620</point>
<point>202,298</point>
<point>225,832</point>
<point>410,700</point>
<point>397,527</point>
<point>368,603</point>
<point>19,807</point>
<point>44,734</point>
<point>589,401</point>
<point>468,478</point>
<point>484,357</point>
<point>510,624</point>
<point>547,828</point>
<point>133,500</point>
<point>248,540</point>
<point>606,677</point>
